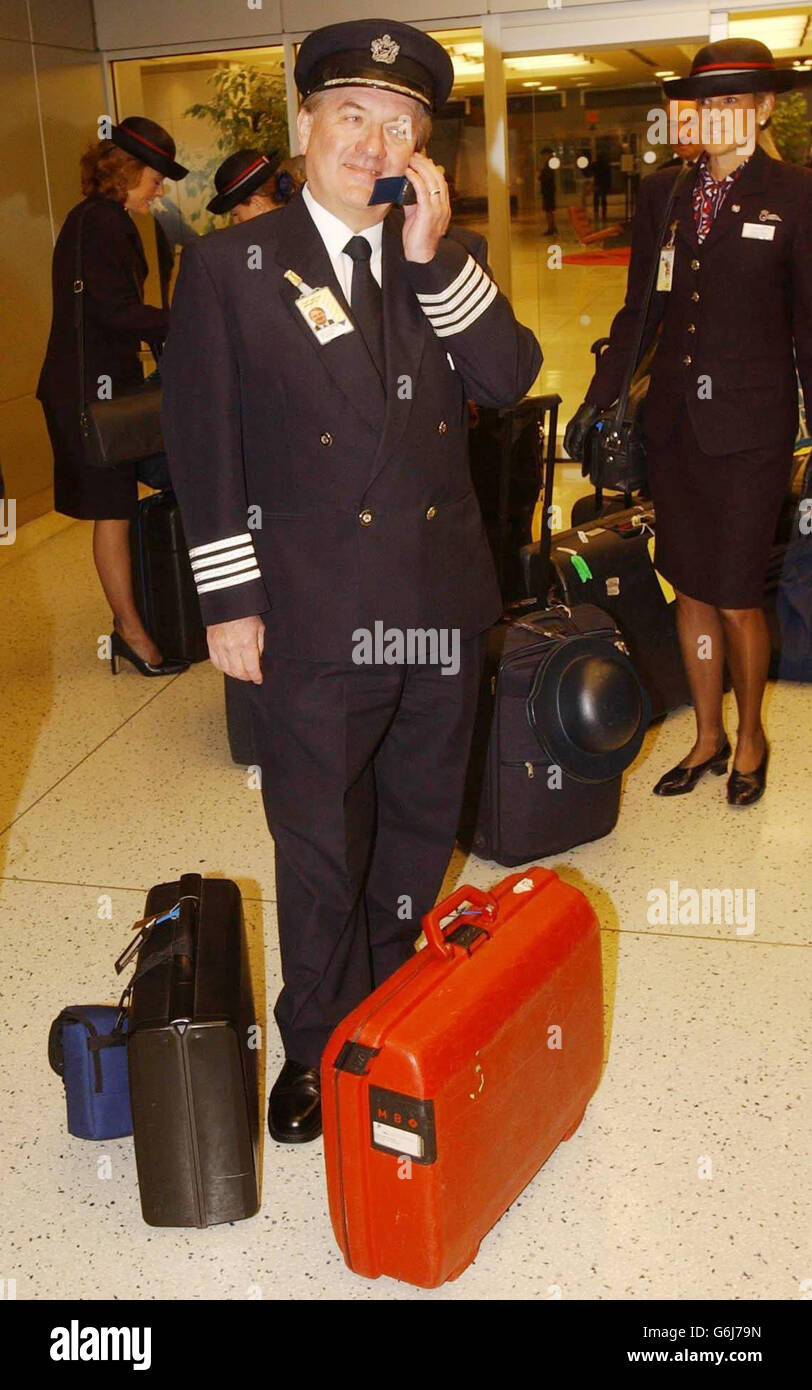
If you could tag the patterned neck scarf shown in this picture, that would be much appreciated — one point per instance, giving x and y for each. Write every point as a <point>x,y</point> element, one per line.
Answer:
<point>709,194</point>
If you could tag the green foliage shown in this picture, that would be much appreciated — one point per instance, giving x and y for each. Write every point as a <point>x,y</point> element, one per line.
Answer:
<point>790,127</point>
<point>248,111</point>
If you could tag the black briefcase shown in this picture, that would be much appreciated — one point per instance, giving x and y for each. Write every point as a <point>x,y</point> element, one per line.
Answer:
<point>607,562</point>
<point>163,584</point>
<point>192,1052</point>
<point>561,714</point>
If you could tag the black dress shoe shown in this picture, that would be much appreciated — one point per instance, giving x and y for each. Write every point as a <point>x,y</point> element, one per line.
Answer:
<point>679,779</point>
<point>743,788</point>
<point>294,1107</point>
<point>121,650</point>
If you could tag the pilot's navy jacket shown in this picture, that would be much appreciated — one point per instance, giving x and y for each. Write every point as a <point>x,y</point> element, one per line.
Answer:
<point>307,495</point>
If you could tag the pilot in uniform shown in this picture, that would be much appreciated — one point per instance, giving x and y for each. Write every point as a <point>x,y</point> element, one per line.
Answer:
<point>326,498</point>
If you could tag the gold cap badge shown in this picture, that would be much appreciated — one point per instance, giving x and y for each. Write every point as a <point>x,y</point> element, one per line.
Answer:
<point>384,49</point>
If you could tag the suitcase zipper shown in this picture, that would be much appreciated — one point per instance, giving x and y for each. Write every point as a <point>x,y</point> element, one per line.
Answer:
<point>511,659</point>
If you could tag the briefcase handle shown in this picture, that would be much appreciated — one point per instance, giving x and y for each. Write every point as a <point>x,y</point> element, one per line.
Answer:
<point>484,907</point>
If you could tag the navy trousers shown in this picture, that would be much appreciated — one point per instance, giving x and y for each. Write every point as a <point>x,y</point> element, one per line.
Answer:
<point>363,769</point>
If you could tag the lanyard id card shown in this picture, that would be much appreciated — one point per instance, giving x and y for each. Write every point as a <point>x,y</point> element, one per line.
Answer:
<point>320,310</point>
<point>665,269</point>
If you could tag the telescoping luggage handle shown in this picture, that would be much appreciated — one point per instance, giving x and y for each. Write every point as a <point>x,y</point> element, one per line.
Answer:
<point>484,907</point>
<point>531,410</point>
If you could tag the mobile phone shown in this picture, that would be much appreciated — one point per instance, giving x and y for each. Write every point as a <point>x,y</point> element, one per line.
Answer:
<point>392,190</point>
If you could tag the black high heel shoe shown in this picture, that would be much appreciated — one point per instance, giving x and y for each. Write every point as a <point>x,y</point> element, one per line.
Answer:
<point>743,788</point>
<point>679,779</point>
<point>119,648</point>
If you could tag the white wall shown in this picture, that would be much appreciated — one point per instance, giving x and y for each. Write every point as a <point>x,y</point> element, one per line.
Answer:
<point>149,25</point>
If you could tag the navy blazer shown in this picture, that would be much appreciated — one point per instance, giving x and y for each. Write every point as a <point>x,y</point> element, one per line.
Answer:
<point>738,307</point>
<point>307,493</point>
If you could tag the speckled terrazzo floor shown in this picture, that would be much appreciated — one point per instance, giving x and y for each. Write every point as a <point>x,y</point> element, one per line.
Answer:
<point>111,785</point>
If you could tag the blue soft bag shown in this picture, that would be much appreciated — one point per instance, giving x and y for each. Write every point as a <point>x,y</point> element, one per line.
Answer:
<point>87,1047</point>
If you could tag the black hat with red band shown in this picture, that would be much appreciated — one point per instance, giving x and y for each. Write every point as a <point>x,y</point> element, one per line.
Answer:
<point>730,66</point>
<point>149,142</point>
<point>241,175</point>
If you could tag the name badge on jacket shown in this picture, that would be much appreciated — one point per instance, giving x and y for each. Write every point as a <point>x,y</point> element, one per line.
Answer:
<point>320,309</point>
<point>323,314</point>
<point>759,231</point>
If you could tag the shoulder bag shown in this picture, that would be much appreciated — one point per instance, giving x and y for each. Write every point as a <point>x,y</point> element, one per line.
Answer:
<point>126,428</point>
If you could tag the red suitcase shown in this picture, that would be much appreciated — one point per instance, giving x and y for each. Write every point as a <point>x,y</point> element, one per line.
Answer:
<point>445,1091</point>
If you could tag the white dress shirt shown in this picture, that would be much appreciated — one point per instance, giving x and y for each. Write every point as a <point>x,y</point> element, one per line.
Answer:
<point>335,234</point>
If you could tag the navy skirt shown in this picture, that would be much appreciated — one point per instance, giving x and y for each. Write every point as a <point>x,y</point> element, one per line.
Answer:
<point>716,516</point>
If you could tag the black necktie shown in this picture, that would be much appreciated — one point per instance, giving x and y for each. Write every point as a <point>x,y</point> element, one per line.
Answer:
<point>365,298</point>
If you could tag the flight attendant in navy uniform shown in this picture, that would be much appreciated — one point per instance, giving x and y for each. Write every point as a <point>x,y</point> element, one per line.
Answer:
<point>721,412</point>
<point>323,479</point>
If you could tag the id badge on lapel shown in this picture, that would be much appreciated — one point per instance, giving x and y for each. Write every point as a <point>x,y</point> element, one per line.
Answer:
<point>320,310</point>
<point>665,269</point>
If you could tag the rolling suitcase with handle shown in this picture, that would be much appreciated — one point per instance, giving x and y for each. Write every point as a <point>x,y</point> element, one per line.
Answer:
<point>561,714</point>
<point>192,1057</point>
<point>445,1091</point>
<point>164,589</point>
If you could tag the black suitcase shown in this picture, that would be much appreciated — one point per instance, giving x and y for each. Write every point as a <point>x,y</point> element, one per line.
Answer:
<point>164,588</point>
<point>561,714</point>
<point>596,505</point>
<point>511,453</point>
<point>238,721</point>
<point>607,562</point>
<point>193,1059</point>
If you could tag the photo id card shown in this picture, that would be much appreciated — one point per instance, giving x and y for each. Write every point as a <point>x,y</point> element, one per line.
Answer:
<point>323,314</point>
<point>665,270</point>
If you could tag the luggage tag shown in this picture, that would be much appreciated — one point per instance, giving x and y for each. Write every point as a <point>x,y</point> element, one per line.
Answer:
<point>142,929</point>
<point>665,269</point>
<point>320,310</point>
<point>581,568</point>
